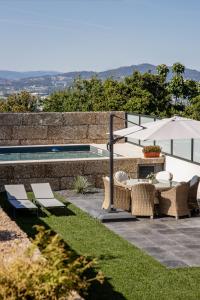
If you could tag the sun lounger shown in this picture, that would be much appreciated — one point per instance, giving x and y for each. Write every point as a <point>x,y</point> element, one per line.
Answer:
<point>44,196</point>
<point>17,197</point>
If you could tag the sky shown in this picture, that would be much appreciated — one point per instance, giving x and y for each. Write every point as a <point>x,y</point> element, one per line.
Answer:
<point>73,35</point>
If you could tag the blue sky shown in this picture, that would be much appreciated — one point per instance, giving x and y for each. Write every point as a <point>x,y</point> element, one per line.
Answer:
<point>68,35</point>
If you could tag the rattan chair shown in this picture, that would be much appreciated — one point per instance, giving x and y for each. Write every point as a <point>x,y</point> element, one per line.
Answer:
<point>174,202</point>
<point>121,196</point>
<point>192,196</point>
<point>142,196</point>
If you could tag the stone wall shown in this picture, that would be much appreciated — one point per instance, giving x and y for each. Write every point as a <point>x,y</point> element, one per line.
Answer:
<point>55,128</point>
<point>61,174</point>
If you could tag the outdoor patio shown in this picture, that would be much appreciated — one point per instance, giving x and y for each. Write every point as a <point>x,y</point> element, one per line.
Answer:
<point>174,243</point>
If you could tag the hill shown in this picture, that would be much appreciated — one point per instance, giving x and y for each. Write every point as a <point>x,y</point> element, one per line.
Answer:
<point>13,75</point>
<point>46,82</point>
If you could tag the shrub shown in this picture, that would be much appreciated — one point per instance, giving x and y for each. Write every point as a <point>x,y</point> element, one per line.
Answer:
<point>81,184</point>
<point>54,274</point>
<point>152,148</point>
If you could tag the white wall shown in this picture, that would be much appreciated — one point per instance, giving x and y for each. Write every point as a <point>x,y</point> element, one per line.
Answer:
<point>181,170</point>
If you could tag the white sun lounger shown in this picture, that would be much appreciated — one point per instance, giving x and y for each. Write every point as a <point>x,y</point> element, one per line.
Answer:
<point>44,196</point>
<point>17,197</point>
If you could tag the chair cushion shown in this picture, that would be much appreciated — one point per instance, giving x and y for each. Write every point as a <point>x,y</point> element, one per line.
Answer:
<point>164,175</point>
<point>121,176</point>
<point>194,180</point>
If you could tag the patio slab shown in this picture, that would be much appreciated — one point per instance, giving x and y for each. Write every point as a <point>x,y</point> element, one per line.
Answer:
<point>92,202</point>
<point>174,243</point>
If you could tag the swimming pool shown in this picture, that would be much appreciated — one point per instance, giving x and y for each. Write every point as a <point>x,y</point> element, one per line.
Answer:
<point>54,152</point>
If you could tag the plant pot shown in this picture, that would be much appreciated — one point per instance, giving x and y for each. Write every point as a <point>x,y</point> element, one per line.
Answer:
<point>151,154</point>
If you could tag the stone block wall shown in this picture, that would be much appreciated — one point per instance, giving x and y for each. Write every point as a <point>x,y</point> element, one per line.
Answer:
<point>56,128</point>
<point>61,174</point>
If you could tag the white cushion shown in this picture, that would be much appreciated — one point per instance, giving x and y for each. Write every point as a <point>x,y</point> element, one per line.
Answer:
<point>164,175</point>
<point>107,178</point>
<point>121,176</point>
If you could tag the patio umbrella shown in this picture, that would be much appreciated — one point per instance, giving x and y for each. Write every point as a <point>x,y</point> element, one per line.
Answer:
<point>165,129</point>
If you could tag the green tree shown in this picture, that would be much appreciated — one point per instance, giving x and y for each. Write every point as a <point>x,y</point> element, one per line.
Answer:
<point>176,85</point>
<point>21,102</point>
<point>193,110</point>
<point>116,94</point>
<point>190,89</point>
<point>163,71</point>
<point>55,102</point>
<point>153,84</point>
<point>178,69</point>
<point>140,102</point>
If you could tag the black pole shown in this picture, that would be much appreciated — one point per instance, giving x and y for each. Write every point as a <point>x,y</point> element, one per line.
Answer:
<point>111,143</point>
<point>110,146</point>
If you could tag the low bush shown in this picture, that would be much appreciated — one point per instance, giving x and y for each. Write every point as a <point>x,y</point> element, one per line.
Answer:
<point>53,274</point>
<point>81,184</point>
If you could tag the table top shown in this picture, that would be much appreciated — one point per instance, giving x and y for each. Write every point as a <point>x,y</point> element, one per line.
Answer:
<point>163,185</point>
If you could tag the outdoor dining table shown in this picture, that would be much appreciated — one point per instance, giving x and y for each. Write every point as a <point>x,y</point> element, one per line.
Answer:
<point>160,186</point>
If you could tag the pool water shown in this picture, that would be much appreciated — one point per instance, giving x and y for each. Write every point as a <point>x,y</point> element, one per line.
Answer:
<point>50,152</point>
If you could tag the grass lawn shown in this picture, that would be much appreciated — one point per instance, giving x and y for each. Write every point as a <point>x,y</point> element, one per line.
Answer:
<point>130,273</point>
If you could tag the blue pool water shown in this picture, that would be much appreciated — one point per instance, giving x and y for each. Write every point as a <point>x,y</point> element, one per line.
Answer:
<point>50,152</point>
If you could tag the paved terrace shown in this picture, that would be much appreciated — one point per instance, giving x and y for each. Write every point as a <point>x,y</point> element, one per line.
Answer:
<point>174,243</point>
<point>124,149</point>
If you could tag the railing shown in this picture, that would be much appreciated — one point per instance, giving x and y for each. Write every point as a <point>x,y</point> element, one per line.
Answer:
<point>188,149</point>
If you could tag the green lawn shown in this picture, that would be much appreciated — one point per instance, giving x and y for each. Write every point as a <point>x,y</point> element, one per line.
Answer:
<point>130,273</point>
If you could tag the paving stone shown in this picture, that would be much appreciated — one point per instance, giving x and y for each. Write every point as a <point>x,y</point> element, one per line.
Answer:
<point>193,262</point>
<point>159,226</point>
<point>175,248</point>
<point>162,241</point>
<point>190,230</point>
<point>154,250</point>
<point>192,246</point>
<point>167,231</point>
<point>142,244</point>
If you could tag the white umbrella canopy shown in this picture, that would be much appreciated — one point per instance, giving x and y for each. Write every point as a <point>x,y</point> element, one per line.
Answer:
<point>165,129</point>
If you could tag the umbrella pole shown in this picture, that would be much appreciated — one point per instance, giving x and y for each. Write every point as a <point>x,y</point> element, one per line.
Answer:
<point>110,147</point>
<point>111,143</point>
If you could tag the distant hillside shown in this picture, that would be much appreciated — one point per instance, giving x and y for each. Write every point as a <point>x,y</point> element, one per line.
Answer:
<point>127,71</point>
<point>46,82</point>
<point>13,75</point>
<point>121,72</point>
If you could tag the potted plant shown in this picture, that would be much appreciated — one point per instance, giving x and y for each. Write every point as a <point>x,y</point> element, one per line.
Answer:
<point>151,177</point>
<point>151,151</point>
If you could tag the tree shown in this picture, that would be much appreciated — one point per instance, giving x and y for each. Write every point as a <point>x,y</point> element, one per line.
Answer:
<point>193,110</point>
<point>116,94</point>
<point>176,85</point>
<point>55,102</point>
<point>163,71</point>
<point>21,102</point>
<point>178,68</point>
<point>140,102</point>
<point>190,89</point>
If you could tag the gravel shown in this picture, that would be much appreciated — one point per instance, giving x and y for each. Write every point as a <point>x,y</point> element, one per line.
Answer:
<point>13,241</point>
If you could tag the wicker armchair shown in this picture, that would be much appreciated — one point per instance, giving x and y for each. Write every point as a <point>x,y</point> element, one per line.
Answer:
<point>121,197</point>
<point>192,196</point>
<point>174,202</point>
<point>142,195</point>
